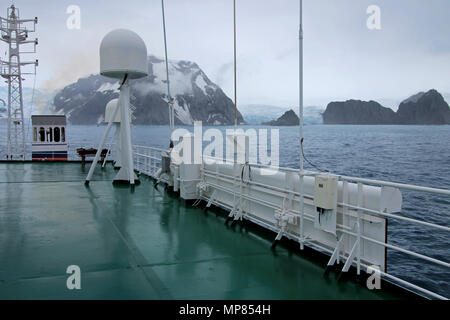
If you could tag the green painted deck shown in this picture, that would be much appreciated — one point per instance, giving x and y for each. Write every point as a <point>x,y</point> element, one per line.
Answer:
<point>146,244</point>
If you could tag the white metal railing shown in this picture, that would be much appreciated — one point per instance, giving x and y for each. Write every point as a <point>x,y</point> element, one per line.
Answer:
<point>71,150</point>
<point>148,161</point>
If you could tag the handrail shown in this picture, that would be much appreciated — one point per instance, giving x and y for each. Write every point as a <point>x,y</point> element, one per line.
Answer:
<point>341,228</point>
<point>347,178</point>
<point>428,224</point>
<point>418,255</point>
<point>151,148</point>
<point>397,185</point>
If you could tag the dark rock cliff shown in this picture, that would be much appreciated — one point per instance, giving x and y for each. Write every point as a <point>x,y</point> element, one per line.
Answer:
<point>289,118</point>
<point>358,112</point>
<point>427,108</point>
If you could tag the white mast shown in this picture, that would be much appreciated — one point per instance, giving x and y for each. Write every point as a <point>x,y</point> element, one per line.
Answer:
<point>300,115</point>
<point>169,97</point>
<point>123,55</point>
<point>14,32</point>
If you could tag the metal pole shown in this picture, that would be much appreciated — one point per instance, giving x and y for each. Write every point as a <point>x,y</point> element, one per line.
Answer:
<point>24,145</point>
<point>169,97</point>
<point>300,115</point>
<point>127,148</point>
<point>100,147</point>
<point>9,100</point>
<point>15,35</point>
<point>235,77</point>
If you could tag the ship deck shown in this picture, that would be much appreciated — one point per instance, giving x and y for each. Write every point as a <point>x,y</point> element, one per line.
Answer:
<point>141,244</point>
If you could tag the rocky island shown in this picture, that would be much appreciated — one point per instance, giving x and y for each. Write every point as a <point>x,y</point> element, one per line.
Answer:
<point>289,118</point>
<point>424,108</point>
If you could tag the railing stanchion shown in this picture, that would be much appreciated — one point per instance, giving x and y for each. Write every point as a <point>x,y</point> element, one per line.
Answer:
<point>345,219</point>
<point>154,163</point>
<point>360,203</point>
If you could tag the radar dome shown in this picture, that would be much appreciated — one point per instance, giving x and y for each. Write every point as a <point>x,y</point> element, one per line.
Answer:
<point>123,52</point>
<point>109,111</point>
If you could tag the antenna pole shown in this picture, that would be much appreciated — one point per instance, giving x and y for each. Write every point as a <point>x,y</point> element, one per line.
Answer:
<point>14,32</point>
<point>300,115</point>
<point>235,78</point>
<point>171,112</point>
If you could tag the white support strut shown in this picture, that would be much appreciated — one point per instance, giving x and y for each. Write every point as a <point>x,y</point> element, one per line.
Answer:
<point>336,253</point>
<point>100,147</point>
<point>126,172</point>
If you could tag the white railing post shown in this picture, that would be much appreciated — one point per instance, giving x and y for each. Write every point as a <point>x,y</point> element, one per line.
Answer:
<point>302,209</point>
<point>141,159</point>
<point>147,161</point>
<point>345,219</point>
<point>136,151</point>
<point>154,163</point>
<point>360,203</point>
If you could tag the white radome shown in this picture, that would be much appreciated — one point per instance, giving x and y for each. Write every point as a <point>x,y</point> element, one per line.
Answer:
<point>123,52</point>
<point>109,111</point>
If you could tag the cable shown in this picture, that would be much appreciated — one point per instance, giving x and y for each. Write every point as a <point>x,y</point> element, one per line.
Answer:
<point>235,76</point>
<point>306,159</point>
<point>170,100</point>
<point>123,81</point>
<point>249,173</point>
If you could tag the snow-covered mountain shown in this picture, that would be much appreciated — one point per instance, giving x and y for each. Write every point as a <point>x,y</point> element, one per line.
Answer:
<point>196,97</point>
<point>259,113</point>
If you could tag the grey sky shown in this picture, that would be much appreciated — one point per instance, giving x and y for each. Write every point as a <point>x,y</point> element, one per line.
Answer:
<point>343,59</point>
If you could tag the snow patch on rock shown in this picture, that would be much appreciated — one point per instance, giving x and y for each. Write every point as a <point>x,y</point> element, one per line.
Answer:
<point>414,98</point>
<point>182,113</point>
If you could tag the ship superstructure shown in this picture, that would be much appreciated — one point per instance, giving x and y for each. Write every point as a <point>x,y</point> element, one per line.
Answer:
<point>275,233</point>
<point>49,138</point>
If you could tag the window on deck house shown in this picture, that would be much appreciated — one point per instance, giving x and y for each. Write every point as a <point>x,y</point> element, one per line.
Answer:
<point>49,134</point>
<point>56,134</point>
<point>63,134</point>
<point>41,134</point>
